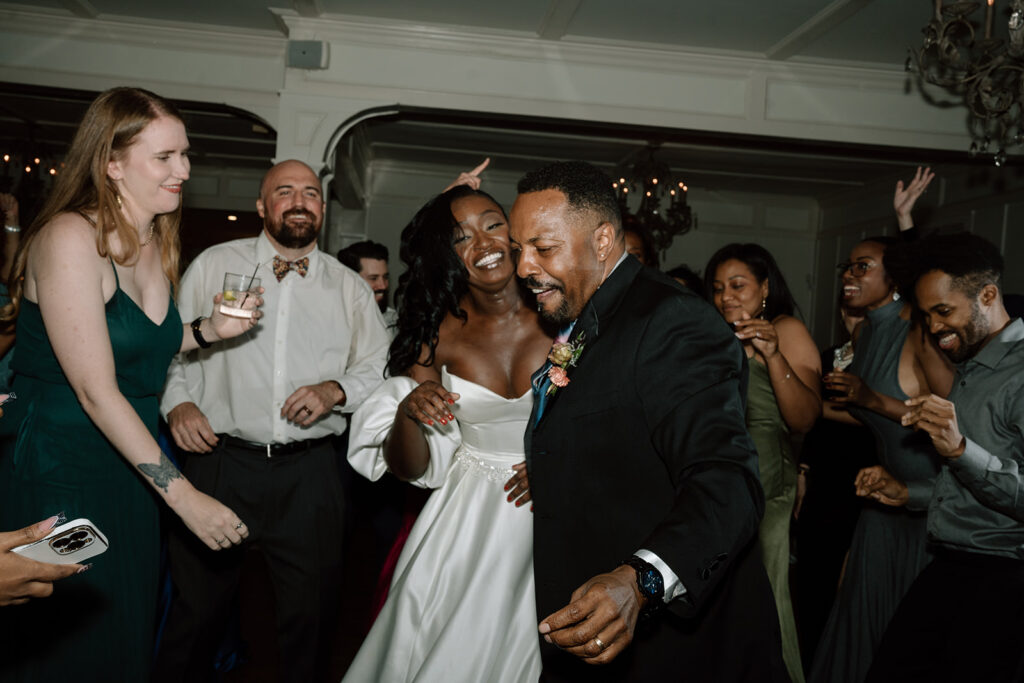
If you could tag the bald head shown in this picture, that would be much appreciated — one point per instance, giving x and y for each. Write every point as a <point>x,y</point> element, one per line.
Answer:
<point>291,205</point>
<point>289,167</point>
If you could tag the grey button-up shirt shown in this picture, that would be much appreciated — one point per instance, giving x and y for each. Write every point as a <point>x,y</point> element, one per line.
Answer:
<point>977,504</point>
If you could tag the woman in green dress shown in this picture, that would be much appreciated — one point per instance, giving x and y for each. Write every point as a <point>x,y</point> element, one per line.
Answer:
<point>783,396</point>
<point>97,327</point>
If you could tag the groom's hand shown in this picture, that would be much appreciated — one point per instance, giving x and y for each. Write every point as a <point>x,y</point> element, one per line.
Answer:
<point>598,623</point>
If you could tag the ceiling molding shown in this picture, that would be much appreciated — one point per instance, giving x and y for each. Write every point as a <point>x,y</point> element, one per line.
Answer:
<point>357,31</point>
<point>81,8</point>
<point>556,20</point>
<point>815,28</point>
<point>310,9</point>
<point>151,33</point>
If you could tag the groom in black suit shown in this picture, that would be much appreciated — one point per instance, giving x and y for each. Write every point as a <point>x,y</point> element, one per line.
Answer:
<point>644,479</point>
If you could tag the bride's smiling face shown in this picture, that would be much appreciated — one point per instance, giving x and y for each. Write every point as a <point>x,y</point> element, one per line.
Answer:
<point>481,240</point>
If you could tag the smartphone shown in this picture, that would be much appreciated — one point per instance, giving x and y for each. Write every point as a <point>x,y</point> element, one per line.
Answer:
<point>70,543</point>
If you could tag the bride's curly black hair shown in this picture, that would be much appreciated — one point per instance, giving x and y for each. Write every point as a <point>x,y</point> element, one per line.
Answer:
<point>434,281</point>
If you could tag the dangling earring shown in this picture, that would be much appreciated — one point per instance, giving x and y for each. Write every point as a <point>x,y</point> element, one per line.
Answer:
<point>764,308</point>
<point>117,198</point>
<point>895,295</point>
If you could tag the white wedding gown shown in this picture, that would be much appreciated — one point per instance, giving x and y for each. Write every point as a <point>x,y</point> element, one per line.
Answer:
<point>461,605</point>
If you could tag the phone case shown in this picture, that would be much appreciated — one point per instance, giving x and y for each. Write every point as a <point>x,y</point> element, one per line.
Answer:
<point>75,541</point>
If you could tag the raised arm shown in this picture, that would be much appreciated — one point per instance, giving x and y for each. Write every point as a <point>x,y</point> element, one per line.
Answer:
<point>904,197</point>
<point>68,278</point>
<point>471,178</point>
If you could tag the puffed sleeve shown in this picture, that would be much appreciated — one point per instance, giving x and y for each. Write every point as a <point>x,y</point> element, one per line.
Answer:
<point>371,424</point>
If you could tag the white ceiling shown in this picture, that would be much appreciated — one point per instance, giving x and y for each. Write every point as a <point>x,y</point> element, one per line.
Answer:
<point>877,32</point>
<point>873,32</point>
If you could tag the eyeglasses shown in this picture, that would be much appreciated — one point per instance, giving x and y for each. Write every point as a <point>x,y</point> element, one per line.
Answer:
<point>856,268</point>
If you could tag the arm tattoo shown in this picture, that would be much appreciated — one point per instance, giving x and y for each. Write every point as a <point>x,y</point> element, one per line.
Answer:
<point>161,474</point>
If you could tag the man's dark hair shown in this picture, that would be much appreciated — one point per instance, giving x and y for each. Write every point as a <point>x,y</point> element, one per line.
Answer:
<point>351,254</point>
<point>585,187</point>
<point>971,261</point>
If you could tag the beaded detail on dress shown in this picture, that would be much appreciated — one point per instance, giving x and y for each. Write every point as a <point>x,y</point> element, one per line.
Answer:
<point>476,467</point>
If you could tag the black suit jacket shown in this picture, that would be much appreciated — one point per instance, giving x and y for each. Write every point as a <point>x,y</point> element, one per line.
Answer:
<point>647,447</point>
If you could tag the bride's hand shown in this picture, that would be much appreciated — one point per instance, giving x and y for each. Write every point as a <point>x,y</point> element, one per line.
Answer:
<point>519,485</point>
<point>429,403</point>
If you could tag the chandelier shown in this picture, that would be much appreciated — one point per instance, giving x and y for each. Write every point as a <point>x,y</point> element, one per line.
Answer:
<point>28,171</point>
<point>988,73</point>
<point>642,175</point>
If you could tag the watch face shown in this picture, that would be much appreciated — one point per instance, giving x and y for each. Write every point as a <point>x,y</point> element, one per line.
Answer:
<point>652,582</point>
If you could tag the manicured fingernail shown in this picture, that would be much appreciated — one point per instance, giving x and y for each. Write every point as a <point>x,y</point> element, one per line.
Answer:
<point>51,522</point>
<point>444,421</point>
<point>450,416</point>
<point>509,498</point>
<point>84,568</point>
<point>508,486</point>
<point>430,423</point>
<point>519,503</point>
<point>451,401</point>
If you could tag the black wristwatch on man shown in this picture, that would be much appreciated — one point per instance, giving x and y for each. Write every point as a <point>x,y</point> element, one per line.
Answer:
<point>650,583</point>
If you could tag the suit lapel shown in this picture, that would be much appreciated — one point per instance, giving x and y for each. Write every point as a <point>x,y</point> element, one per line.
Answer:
<point>600,307</point>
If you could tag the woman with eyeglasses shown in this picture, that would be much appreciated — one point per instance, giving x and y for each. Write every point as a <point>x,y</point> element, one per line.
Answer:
<point>783,396</point>
<point>894,359</point>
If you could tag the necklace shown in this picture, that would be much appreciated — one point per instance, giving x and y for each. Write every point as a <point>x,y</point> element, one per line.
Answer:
<point>149,235</point>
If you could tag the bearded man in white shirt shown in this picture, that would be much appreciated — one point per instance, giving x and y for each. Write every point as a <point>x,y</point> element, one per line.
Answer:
<point>258,419</point>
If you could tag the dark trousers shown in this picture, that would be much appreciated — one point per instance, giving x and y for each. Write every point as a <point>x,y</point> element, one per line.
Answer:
<point>961,620</point>
<point>294,508</point>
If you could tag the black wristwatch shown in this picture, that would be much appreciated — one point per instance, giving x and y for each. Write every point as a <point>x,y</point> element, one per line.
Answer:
<point>203,344</point>
<point>650,583</point>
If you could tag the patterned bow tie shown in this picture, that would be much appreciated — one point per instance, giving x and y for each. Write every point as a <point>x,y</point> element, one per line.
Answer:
<point>281,267</point>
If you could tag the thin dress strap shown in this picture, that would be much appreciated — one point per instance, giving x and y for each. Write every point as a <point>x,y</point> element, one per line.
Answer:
<point>117,280</point>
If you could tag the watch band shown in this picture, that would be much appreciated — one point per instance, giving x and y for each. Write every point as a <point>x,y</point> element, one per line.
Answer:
<point>203,344</point>
<point>650,583</point>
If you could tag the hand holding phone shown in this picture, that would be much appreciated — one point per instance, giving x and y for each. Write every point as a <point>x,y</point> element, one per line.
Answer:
<point>70,543</point>
<point>22,578</point>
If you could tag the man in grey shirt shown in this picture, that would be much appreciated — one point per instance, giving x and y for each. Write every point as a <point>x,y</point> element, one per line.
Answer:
<point>963,618</point>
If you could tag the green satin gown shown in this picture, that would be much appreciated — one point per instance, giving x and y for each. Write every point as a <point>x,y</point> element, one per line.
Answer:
<point>97,626</point>
<point>778,479</point>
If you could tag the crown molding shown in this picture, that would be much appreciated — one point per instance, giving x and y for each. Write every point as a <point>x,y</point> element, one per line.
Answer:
<point>149,33</point>
<point>359,31</point>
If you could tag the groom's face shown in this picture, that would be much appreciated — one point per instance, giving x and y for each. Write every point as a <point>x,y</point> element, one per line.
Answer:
<point>557,253</point>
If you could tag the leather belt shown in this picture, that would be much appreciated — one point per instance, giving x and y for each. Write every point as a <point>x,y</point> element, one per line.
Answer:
<point>271,450</point>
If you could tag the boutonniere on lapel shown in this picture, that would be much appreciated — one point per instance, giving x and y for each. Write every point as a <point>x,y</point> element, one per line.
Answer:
<point>563,356</point>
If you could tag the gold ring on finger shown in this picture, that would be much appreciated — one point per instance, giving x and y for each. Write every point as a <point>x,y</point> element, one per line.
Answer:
<point>600,643</point>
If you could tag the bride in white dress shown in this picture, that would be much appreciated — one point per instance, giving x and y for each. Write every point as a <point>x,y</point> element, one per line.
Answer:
<point>452,418</point>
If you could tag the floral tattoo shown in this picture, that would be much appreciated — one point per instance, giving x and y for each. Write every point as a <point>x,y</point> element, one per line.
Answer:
<point>161,474</point>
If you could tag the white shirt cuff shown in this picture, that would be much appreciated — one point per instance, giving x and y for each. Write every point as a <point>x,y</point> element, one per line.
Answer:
<point>673,586</point>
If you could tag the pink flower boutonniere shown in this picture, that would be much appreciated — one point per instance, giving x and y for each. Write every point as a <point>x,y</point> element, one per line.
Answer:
<point>563,356</point>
